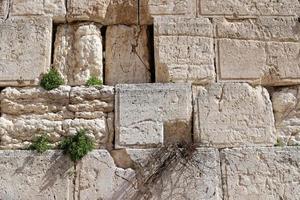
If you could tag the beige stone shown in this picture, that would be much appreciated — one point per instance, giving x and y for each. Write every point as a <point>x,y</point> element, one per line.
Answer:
<point>53,8</point>
<point>127,55</point>
<point>26,175</point>
<point>78,52</point>
<point>286,111</point>
<point>184,50</point>
<point>25,50</point>
<point>4,6</point>
<point>258,62</point>
<point>261,173</point>
<point>249,8</point>
<point>233,114</point>
<point>148,114</point>
<point>87,10</point>
<point>171,7</point>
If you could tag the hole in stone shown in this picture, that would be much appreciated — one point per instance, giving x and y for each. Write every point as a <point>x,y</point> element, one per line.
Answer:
<point>103,34</point>
<point>150,32</point>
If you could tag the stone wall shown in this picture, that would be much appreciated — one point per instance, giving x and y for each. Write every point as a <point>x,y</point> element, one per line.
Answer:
<point>200,99</point>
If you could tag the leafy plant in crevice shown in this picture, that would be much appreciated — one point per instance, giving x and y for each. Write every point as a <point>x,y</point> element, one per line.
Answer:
<point>94,81</point>
<point>77,146</point>
<point>41,144</point>
<point>51,80</point>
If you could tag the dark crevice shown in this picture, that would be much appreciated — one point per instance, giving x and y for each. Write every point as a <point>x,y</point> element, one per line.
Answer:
<point>54,31</point>
<point>138,12</point>
<point>103,34</point>
<point>150,43</point>
<point>1,88</point>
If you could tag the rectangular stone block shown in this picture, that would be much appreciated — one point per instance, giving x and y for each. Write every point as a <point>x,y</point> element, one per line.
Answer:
<point>78,52</point>
<point>233,114</point>
<point>258,62</point>
<point>184,50</point>
<point>261,173</point>
<point>171,7</point>
<point>53,8</point>
<point>127,55</point>
<point>249,8</point>
<point>25,50</point>
<point>29,176</point>
<point>151,114</point>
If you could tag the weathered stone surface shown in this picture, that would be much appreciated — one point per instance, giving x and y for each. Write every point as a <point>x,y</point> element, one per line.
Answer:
<point>4,5</point>
<point>148,114</point>
<point>172,7</point>
<point>53,8</point>
<point>258,62</point>
<point>87,10</point>
<point>127,55</point>
<point>184,50</point>
<point>233,114</point>
<point>286,111</point>
<point>78,52</point>
<point>261,173</point>
<point>26,175</point>
<point>249,8</point>
<point>25,49</point>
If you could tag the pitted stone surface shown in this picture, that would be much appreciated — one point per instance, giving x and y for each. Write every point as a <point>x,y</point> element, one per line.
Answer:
<point>127,55</point>
<point>4,6</point>
<point>78,52</point>
<point>27,175</point>
<point>261,173</point>
<point>233,114</point>
<point>184,50</point>
<point>171,7</point>
<point>25,49</point>
<point>148,114</point>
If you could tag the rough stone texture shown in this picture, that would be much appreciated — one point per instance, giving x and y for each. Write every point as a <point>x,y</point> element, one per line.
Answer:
<point>261,173</point>
<point>127,55</point>
<point>249,8</point>
<point>87,10</point>
<point>148,114</point>
<point>172,7</point>
<point>26,175</point>
<point>286,111</point>
<point>4,5</point>
<point>267,63</point>
<point>25,48</point>
<point>53,8</point>
<point>78,52</point>
<point>29,112</point>
<point>184,50</point>
<point>233,114</point>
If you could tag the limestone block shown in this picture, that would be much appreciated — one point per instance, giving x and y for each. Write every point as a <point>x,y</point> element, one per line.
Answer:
<point>249,8</point>
<point>78,52</point>
<point>4,6</point>
<point>29,176</point>
<point>233,114</point>
<point>258,62</point>
<point>100,178</point>
<point>193,177</point>
<point>261,173</point>
<point>87,10</point>
<point>172,7</point>
<point>53,8</point>
<point>286,111</point>
<point>25,50</point>
<point>184,50</point>
<point>127,55</point>
<point>148,114</point>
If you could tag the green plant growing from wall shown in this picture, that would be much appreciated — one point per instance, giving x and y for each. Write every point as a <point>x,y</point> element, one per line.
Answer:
<point>51,80</point>
<point>94,81</point>
<point>40,144</point>
<point>77,146</point>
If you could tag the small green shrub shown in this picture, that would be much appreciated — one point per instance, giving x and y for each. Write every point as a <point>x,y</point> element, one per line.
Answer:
<point>51,80</point>
<point>93,81</point>
<point>279,143</point>
<point>41,144</point>
<point>77,146</point>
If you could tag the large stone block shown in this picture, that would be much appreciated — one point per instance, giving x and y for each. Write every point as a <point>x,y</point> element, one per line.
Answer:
<point>127,55</point>
<point>87,10</point>
<point>151,114</point>
<point>233,114</point>
<point>286,111</point>
<point>172,7</point>
<point>184,50</point>
<point>259,62</point>
<point>249,8</point>
<point>53,8</point>
<point>78,52</point>
<point>29,176</point>
<point>261,173</point>
<point>25,50</point>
